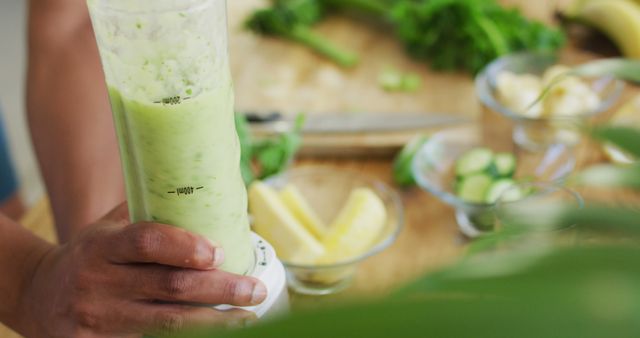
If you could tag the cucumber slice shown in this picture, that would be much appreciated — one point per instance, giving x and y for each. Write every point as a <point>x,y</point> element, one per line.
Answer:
<point>474,161</point>
<point>498,188</point>
<point>505,164</point>
<point>474,188</point>
<point>515,195</point>
<point>402,172</point>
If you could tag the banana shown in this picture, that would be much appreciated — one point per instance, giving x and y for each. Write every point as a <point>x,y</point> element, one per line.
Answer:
<point>619,19</point>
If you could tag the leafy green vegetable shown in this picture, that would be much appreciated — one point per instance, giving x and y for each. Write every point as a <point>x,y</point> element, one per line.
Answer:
<point>449,34</point>
<point>264,158</point>
<point>402,165</point>
<point>292,19</point>
<point>467,34</point>
<point>274,155</point>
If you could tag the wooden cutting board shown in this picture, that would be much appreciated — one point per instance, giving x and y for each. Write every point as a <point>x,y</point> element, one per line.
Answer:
<point>271,74</point>
<point>275,75</point>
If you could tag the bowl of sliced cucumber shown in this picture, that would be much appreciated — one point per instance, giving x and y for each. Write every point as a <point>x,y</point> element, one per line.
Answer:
<point>458,166</point>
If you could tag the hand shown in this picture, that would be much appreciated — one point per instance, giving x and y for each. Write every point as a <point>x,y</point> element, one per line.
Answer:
<point>119,280</point>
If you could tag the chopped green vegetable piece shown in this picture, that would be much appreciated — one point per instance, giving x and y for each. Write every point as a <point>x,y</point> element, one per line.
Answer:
<point>473,188</point>
<point>402,164</point>
<point>390,80</point>
<point>474,161</point>
<point>395,81</point>
<point>498,188</point>
<point>411,82</point>
<point>506,164</point>
<point>515,194</point>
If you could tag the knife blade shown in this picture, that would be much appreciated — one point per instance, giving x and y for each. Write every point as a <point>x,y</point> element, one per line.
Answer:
<point>352,123</point>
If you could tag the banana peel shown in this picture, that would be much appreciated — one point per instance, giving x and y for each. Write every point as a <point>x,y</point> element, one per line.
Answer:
<point>618,19</point>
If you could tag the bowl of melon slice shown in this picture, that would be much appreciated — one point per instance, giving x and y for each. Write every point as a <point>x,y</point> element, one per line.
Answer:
<point>323,223</point>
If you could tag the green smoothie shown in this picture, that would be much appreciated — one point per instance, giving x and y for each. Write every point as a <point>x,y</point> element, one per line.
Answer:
<point>167,69</point>
<point>181,161</point>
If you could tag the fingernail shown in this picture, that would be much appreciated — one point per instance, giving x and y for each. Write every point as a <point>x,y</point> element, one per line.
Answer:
<point>258,294</point>
<point>218,256</point>
<point>206,254</point>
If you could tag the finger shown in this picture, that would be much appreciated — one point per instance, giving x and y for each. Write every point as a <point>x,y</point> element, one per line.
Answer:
<point>163,319</point>
<point>164,245</point>
<point>119,214</point>
<point>174,318</point>
<point>131,319</point>
<point>193,286</point>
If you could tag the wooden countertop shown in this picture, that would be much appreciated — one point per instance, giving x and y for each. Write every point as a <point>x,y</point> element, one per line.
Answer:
<point>276,75</point>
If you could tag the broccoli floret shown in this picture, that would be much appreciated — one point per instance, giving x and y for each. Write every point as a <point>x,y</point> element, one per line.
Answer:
<point>292,19</point>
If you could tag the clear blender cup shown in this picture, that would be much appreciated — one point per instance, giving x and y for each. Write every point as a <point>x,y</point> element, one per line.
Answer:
<point>167,70</point>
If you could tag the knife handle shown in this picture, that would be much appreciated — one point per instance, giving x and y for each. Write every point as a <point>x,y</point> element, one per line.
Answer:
<point>262,117</point>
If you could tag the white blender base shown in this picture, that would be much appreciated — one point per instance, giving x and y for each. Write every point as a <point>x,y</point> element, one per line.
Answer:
<point>271,272</point>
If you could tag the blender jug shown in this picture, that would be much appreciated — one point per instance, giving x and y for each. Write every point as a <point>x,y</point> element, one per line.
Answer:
<point>167,70</point>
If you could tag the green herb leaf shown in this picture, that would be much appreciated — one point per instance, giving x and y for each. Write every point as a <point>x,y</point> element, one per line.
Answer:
<point>275,154</point>
<point>625,138</point>
<point>264,158</point>
<point>402,165</point>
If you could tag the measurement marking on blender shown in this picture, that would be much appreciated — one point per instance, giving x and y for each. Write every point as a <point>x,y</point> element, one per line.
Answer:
<point>185,190</point>
<point>263,251</point>
<point>172,100</point>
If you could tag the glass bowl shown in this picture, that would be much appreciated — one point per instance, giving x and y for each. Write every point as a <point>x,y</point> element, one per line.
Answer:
<point>327,191</point>
<point>538,211</point>
<point>534,218</point>
<point>538,133</point>
<point>433,169</point>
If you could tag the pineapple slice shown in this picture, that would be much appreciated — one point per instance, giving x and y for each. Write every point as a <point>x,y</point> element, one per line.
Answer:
<point>293,199</point>
<point>276,224</point>
<point>356,228</point>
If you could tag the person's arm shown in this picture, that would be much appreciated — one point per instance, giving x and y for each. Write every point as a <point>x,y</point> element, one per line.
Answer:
<point>115,279</point>
<point>20,253</point>
<point>69,115</point>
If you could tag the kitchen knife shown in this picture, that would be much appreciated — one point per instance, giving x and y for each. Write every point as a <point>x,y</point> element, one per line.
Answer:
<point>352,123</point>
